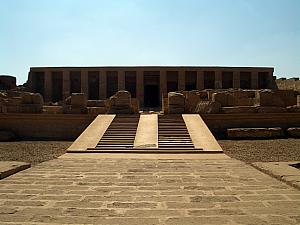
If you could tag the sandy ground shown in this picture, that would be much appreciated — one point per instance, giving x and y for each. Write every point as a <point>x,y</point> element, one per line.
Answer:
<point>35,152</point>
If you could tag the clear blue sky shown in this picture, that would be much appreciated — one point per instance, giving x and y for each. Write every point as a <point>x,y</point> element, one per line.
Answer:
<point>149,32</point>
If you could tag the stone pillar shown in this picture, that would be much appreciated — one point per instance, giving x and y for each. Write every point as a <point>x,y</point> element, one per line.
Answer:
<point>163,82</point>
<point>121,80</point>
<point>200,80</point>
<point>66,84</point>
<point>181,80</point>
<point>47,86</point>
<point>236,79</point>
<point>140,87</point>
<point>102,85</point>
<point>270,80</point>
<point>85,83</point>
<point>218,79</point>
<point>254,80</point>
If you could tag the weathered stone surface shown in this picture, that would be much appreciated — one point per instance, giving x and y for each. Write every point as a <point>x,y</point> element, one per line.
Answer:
<point>239,109</point>
<point>82,195</point>
<point>68,109</point>
<point>237,133</point>
<point>176,102</point>
<point>208,107</point>
<point>234,97</point>
<point>78,100</point>
<point>293,108</point>
<point>267,98</point>
<point>7,135</point>
<point>191,100</point>
<point>32,98</point>
<point>120,103</point>
<point>294,132</point>
<point>271,109</point>
<point>298,100</point>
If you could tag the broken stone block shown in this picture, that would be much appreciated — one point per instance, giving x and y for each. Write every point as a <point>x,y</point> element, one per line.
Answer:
<point>32,98</point>
<point>208,107</point>
<point>176,103</point>
<point>78,100</point>
<point>268,98</point>
<point>253,133</point>
<point>191,101</point>
<point>298,100</point>
<point>120,103</point>
<point>294,132</point>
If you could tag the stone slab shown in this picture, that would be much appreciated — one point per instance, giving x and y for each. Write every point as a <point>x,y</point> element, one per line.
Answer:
<point>281,170</point>
<point>200,134</point>
<point>159,191</point>
<point>8,168</point>
<point>147,132</point>
<point>92,134</point>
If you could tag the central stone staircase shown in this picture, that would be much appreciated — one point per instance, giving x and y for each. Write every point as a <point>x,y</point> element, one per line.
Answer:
<point>173,134</point>
<point>120,134</point>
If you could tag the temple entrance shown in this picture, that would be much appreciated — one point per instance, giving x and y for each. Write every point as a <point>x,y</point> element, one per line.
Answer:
<point>151,96</point>
<point>151,90</point>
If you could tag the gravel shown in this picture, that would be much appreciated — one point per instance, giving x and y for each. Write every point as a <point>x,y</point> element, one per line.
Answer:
<point>262,150</point>
<point>249,151</point>
<point>33,152</point>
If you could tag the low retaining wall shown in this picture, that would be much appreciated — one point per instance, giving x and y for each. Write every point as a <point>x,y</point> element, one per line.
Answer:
<point>70,126</point>
<point>45,126</point>
<point>219,123</point>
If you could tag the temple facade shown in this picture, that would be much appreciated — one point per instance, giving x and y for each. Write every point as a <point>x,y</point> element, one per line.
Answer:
<point>146,83</point>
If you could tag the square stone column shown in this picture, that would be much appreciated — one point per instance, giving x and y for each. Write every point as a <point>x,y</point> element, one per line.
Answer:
<point>200,80</point>
<point>218,79</point>
<point>85,83</point>
<point>47,86</point>
<point>254,80</point>
<point>121,80</point>
<point>270,80</point>
<point>163,83</point>
<point>236,79</point>
<point>181,80</point>
<point>66,84</point>
<point>140,87</point>
<point>102,85</point>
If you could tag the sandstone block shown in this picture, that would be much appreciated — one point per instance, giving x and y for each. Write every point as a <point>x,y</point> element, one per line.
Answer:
<point>253,133</point>
<point>14,101</point>
<point>239,109</point>
<point>32,98</point>
<point>220,97</point>
<point>175,98</point>
<point>120,103</point>
<point>208,107</point>
<point>294,132</point>
<point>268,98</point>
<point>78,100</point>
<point>12,109</point>
<point>67,109</point>
<point>298,100</point>
<point>7,135</point>
<point>191,101</point>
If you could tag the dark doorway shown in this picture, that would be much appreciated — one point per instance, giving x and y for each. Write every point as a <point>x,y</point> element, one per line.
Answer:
<point>93,79</point>
<point>75,84</point>
<point>245,80</point>
<point>56,86</point>
<point>130,83</point>
<point>151,89</point>
<point>151,96</point>
<point>227,80</point>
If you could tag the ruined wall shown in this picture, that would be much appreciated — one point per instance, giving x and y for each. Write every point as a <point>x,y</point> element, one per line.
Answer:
<point>288,84</point>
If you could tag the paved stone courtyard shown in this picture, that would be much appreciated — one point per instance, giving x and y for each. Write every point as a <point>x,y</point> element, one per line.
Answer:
<point>149,189</point>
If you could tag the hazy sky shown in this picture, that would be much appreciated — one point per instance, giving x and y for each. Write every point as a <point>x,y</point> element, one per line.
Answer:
<point>149,32</point>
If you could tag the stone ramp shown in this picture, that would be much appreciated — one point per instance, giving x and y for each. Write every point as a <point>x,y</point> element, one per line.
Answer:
<point>146,134</point>
<point>146,189</point>
<point>200,134</point>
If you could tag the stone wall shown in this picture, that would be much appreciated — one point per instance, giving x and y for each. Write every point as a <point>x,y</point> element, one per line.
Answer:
<point>288,84</point>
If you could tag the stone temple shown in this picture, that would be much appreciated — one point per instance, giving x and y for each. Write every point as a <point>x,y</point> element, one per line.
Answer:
<point>148,84</point>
